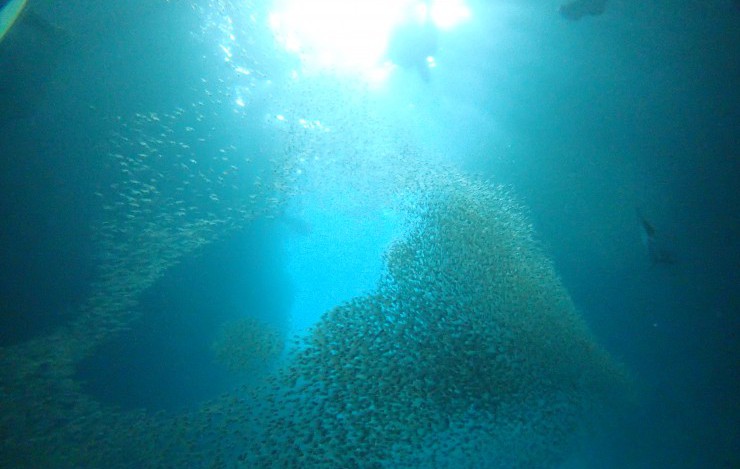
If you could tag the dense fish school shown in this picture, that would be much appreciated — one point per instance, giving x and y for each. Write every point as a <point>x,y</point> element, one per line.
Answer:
<point>468,353</point>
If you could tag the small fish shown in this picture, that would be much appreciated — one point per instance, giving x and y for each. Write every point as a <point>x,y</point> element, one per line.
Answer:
<point>577,9</point>
<point>656,253</point>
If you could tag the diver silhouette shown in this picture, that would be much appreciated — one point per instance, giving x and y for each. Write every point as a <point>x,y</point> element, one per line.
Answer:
<point>414,41</point>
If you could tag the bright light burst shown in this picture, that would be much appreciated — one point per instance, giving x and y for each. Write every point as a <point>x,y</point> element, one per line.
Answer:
<point>447,14</point>
<point>353,35</point>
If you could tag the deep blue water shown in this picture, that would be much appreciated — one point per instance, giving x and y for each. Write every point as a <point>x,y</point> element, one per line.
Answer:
<point>258,214</point>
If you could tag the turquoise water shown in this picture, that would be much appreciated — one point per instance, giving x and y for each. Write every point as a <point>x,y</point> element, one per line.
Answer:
<point>233,239</point>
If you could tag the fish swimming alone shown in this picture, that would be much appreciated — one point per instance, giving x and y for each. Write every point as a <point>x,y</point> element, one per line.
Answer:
<point>656,253</point>
<point>577,9</point>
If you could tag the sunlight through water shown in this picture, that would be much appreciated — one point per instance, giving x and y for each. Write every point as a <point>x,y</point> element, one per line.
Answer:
<point>353,36</point>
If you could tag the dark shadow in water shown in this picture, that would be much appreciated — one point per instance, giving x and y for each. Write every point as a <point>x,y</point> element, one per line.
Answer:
<point>47,211</point>
<point>166,362</point>
<point>29,57</point>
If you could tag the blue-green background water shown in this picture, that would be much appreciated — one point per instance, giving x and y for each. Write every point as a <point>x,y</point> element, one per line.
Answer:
<point>585,121</point>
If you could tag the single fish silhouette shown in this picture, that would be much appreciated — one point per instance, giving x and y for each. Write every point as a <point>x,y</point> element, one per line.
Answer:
<point>577,9</point>
<point>656,253</point>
